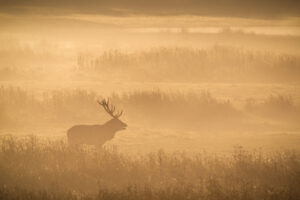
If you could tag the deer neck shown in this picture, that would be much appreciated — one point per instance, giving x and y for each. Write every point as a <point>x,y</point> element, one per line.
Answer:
<point>111,125</point>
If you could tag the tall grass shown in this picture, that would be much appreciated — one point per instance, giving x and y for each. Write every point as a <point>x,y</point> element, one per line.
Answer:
<point>180,110</point>
<point>193,111</point>
<point>50,107</point>
<point>217,64</point>
<point>33,168</point>
<point>181,64</point>
<point>276,107</point>
<point>80,106</point>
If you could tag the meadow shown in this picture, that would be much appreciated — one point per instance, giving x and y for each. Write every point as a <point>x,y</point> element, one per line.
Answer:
<point>157,108</point>
<point>32,168</point>
<point>216,64</point>
<point>211,115</point>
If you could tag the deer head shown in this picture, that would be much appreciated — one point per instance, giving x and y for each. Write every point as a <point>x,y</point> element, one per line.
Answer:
<point>115,123</point>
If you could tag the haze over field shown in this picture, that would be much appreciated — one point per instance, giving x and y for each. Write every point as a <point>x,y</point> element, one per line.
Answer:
<point>210,94</point>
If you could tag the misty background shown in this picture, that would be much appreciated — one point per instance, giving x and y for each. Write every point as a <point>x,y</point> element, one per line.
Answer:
<point>190,73</point>
<point>209,90</point>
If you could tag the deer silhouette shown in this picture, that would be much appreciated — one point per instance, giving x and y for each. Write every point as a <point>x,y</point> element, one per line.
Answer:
<point>97,134</point>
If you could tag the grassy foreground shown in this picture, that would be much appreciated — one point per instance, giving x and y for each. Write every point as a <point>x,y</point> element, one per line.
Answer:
<point>32,168</point>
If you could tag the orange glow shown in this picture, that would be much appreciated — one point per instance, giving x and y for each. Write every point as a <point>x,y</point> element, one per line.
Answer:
<point>208,92</point>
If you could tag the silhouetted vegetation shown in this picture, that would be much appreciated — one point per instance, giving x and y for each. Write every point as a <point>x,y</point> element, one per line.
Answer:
<point>218,64</point>
<point>279,107</point>
<point>34,168</point>
<point>194,111</point>
<point>165,64</point>
<point>80,106</point>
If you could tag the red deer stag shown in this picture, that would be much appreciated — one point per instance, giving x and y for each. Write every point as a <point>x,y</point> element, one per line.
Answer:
<point>97,134</point>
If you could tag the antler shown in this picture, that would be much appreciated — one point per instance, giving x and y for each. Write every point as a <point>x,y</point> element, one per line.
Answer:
<point>109,108</point>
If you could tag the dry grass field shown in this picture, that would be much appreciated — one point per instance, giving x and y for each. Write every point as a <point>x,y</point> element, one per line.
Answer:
<point>210,95</point>
<point>41,169</point>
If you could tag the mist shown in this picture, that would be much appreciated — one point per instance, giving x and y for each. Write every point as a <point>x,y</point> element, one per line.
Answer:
<point>149,99</point>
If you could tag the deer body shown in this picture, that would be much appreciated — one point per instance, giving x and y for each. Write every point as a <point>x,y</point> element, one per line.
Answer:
<point>98,134</point>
